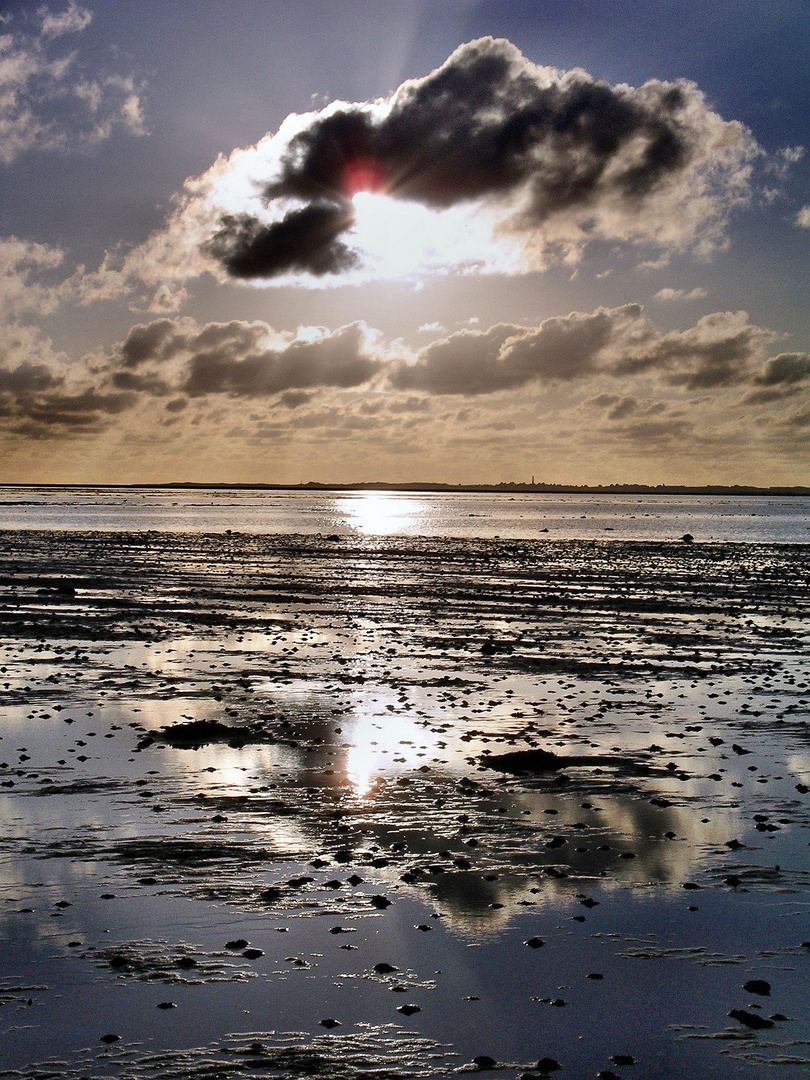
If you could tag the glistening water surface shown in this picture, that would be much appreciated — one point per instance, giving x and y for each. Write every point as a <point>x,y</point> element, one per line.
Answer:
<point>745,519</point>
<point>258,817</point>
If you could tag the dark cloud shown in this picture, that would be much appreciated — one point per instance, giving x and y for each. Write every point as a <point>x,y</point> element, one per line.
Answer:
<point>78,409</point>
<point>488,122</point>
<point>781,377</point>
<point>33,399</point>
<point>148,342</point>
<point>26,378</point>
<point>656,432</point>
<point>148,383</point>
<point>304,240</point>
<point>56,413</point>
<point>620,350</point>
<point>337,361</point>
<point>294,399</point>
<point>623,407</point>
<point>565,348</point>
<point>467,362</point>
<point>787,369</point>
<point>242,359</point>
<point>721,350</point>
<point>489,126</point>
<point>505,356</point>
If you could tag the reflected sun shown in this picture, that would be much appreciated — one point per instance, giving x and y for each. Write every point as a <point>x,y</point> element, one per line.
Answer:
<point>382,514</point>
<point>382,744</point>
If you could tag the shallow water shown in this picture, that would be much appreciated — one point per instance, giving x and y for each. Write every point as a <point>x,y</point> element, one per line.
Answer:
<point>355,821</point>
<point>741,519</point>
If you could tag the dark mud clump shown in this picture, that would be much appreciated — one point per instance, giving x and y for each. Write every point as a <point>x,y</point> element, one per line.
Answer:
<point>197,733</point>
<point>534,762</point>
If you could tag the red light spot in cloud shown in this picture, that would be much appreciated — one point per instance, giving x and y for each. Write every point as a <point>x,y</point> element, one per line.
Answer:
<point>364,174</point>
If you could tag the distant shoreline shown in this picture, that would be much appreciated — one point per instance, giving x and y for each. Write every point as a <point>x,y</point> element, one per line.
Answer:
<point>503,488</point>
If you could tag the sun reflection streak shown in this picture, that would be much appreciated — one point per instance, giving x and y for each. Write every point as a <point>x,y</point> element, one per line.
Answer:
<point>362,759</point>
<point>381,514</point>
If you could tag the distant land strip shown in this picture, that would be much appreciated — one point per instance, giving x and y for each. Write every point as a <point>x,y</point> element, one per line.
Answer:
<point>507,487</point>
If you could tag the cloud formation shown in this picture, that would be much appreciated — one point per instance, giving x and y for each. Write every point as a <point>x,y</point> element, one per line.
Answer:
<point>648,384</point>
<point>47,99</point>
<point>304,240</point>
<point>723,349</point>
<point>240,359</point>
<point>178,356</point>
<point>70,21</point>
<point>41,395</point>
<point>487,124</point>
<point>697,293</point>
<point>544,161</point>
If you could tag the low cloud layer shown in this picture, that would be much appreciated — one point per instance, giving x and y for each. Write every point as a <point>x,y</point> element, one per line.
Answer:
<point>645,379</point>
<point>544,161</point>
<point>42,395</point>
<point>240,359</point>
<point>250,359</point>
<point>721,350</point>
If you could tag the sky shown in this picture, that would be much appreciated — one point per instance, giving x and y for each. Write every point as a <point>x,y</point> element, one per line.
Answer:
<point>405,240</point>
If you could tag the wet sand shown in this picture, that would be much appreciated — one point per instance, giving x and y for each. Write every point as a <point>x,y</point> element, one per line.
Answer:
<point>250,828</point>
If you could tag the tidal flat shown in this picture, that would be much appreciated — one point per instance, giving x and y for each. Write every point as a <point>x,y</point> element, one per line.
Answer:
<point>250,828</point>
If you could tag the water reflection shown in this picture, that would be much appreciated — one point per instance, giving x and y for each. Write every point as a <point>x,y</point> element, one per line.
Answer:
<point>368,681</point>
<point>384,745</point>
<point>385,778</point>
<point>377,513</point>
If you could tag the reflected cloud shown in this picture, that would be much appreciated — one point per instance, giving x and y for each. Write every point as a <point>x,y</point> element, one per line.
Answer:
<point>368,705</point>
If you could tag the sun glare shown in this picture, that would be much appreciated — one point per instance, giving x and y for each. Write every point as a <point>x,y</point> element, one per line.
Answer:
<point>382,744</point>
<point>398,239</point>
<point>381,514</point>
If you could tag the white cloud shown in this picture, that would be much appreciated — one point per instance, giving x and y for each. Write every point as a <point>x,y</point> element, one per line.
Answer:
<point>803,218</point>
<point>681,294</point>
<point>49,102</point>
<point>35,282</point>
<point>70,21</point>
<point>780,163</point>
<point>21,265</point>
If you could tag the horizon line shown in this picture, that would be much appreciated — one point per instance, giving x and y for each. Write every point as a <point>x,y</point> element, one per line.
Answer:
<point>433,486</point>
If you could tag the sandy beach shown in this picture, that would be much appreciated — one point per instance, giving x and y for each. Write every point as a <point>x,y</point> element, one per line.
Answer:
<point>273,806</point>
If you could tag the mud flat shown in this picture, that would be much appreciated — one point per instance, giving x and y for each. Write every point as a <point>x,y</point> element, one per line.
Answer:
<point>250,827</point>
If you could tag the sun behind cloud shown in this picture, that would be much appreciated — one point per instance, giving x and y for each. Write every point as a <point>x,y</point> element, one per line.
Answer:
<point>398,239</point>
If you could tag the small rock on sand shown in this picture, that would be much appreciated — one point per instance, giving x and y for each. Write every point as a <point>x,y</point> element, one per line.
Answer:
<point>750,1020</point>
